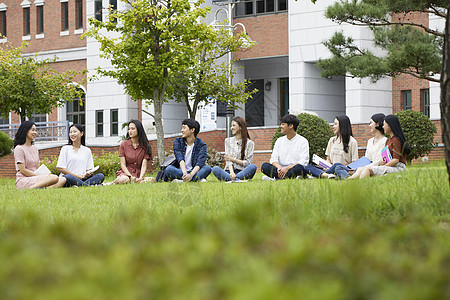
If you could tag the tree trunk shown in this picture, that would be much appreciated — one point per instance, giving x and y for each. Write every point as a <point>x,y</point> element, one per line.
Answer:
<point>445,92</point>
<point>158,101</point>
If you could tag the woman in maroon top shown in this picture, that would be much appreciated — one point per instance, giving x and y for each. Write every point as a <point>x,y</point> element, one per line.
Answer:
<point>397,147</point>
<point>134,154</point>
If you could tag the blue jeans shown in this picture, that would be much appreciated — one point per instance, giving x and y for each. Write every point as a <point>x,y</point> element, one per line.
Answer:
<point>339,169</point>
<point>223,175</point>
<point>93,180</point>
<point>271,171</point>
<point>176,173</point>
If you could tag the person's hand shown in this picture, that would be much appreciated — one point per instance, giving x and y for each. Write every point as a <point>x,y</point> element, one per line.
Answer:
<point>232,175</point>
<point>88,174</point>
<point>139,180</point>
<point>228,157</point>
<point>187,177</point>
<point>81,177</point>
<point>382,162</point>
<point>133,178</point>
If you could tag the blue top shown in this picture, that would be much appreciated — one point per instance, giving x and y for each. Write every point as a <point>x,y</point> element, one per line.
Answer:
<point>198,153</point>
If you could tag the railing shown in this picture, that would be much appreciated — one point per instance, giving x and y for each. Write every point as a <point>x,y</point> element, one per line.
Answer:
<point>46,131</point>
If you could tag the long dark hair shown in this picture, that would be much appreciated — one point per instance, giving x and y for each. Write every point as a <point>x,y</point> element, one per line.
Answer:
<point>378,118</point>
<point>345,131</point>
<point>244,134</point>
<point>21,134</point>
<point>396,128</point>
<point>81,129</point>
<point>143,141</point>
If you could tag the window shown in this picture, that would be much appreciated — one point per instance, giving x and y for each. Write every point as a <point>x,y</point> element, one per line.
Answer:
<point>40,19</point>
<point>38,118</point>
<point>260,7</point>
<point>64,16</point>
<point>425,101</point>
<point>113,7</point>
<point>26,21</point>
<point>76,110</point>
<point>99,122</point>
<point>98,9</point>
<point>79,13</point>
<point>406,100</point>
<point>3,24</point>
<point>4,121</point>
<point>284,96</point>
<point>114,122</point>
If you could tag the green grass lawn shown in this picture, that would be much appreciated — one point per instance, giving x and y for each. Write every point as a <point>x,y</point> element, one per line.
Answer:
<point>378,238</point>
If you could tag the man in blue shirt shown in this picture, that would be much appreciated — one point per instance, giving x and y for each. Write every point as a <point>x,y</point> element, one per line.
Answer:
<point>190,152</point>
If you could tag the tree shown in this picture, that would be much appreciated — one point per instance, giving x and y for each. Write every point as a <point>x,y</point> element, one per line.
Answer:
<point>206,79</point>
<point>30,85</point>
<point>6,144</point>
<point>409,46</point>
<point>156,38</point>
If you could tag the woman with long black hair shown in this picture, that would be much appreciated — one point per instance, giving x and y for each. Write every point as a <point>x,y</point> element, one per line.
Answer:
<point>398,148</point>
<point>26,157</point>
<point>238,154</point>
<point>134,153</point>
<point>342,149</point>
<point>75,160</point>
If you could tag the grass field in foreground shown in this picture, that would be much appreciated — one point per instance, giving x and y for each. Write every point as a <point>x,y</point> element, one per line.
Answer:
<point>379,238</point>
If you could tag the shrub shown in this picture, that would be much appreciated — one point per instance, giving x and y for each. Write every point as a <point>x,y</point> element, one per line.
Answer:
<point>419,132</point>
<point>6,144</point>
<point>108,162</point>
<point>315,130</point>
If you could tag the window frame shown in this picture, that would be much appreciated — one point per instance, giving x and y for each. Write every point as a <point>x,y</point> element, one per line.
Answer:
<point>3,24</point>
<point>425,101</point>
<point>26,21</point>
<point>40,19</point>
<point>64,16</point>
<point>80,111</point>
<point>98,124</point>
<point>79,14</point>
<point>98,10</point>
<point>114,125</point>
<point>404,95</point>
<point>254,6</point>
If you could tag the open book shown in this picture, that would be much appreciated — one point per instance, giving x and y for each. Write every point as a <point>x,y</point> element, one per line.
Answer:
<point>362,162</point>
<point>386,154</point>
<point>42,170</point>
<point>93,169</point>
<point>321,162</point>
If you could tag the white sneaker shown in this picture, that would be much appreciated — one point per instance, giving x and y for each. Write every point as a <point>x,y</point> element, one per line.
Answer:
<point>267,178</point>
<point>107,183</point>
<point>203,180</point>
<point>331,176</point>
<point>177,180</point>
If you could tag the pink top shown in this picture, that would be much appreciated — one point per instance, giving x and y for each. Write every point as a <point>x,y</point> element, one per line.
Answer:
<point>133,158</point>
<point>29,156</point>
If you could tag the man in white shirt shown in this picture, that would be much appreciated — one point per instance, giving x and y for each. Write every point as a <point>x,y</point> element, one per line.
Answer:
<point>290,154</point>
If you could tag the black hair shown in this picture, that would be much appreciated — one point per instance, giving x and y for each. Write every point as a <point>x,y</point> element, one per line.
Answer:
<point>81,129</point>
<point>396,128</point>
<point>379,119</point>
<point>244,134</point>
<point>191,123</point>
<point>142,136</point>
<point>345,131</point>
<point>21,135</point>
<point>290,119</point>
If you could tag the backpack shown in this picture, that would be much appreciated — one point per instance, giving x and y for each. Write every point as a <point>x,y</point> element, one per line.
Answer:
<point>169,161</point>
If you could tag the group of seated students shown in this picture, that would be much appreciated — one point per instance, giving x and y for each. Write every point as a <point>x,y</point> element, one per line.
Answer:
<point>289,159</point>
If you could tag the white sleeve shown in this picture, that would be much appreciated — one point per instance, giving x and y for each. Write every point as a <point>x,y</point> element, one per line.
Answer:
<point>275,152</point>
<point>62,159</point>
<point>248,159</point>
<point>304,152</point>
<point>354,149</point>
<point>90,160</point>
<point>227,151</point>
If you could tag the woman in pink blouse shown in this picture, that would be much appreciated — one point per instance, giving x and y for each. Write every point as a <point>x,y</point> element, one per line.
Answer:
<point>26,157</point>
<point>134,154</point>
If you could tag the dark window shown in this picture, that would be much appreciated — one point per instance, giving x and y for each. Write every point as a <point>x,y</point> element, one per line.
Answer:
<point>284,96</point>
<point>113,7</point>
<point>98,9</point>
<point>40,19</point>
<point>79,13</point>
<point>36,118</point>
<point>26,21</point>
<point>425,101</point>
<point>64,16</point>
<point>245,8</point>
<point>406,100</point>
<point>76,110</point>
<point>99,122</point>
<point>114,122</point>
<point>3,23</point>
<point>4,121</point>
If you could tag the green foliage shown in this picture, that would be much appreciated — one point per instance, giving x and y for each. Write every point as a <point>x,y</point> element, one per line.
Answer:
<point>315,130</point>
<point>256,240</point>
<point>29,85</point>
<point>6,144</point>
<point>108,162</point>
<point>419,132</point>
<point>408,46</point>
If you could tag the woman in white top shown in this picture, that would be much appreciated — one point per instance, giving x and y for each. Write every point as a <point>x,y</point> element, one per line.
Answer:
<point>75,160</point>
<point>375,144</point>
<point>342,150</point>
<point>238,154</point>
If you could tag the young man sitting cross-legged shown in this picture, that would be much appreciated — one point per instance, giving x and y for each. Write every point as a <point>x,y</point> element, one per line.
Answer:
<point>190,152</point>
<point>290,153</point>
